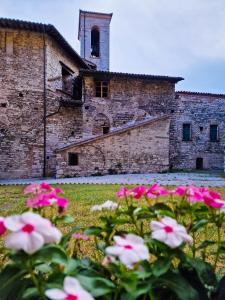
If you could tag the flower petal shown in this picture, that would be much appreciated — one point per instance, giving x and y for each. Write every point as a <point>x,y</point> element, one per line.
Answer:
<point>14,223</point>
<point>55,294</point>
<point>71,285</point>
<point>30,243</point>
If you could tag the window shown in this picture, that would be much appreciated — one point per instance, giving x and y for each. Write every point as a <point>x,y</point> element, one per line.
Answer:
<point>73,159</point>
<point>102,89</point>
<point>213,133</point>
<point>186,132</point>
<point>105,129</point>
<point>67,78</point>
<point>95,42</point>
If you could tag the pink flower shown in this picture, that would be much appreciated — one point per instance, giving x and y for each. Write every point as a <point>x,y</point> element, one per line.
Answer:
<point>108,259</point>
<point>193,193</point>
<point>213,199</point>
<point>123,193</point>
<point>130,249</point>
<point>46,200</point>
<point>2,226</point>
<point>155,191</point>
<point>137,192</point>
<point>41,188</point>
<point>80,236</point>
<point>37,189</point>
<point>169,232</point>
<point>72,290</point>
<point>30,232</point>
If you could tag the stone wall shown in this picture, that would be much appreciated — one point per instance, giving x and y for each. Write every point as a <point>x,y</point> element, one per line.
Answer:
<point>138,149</point>
<point>129,100</point>
<point>22,103</point>
<point>200,110</point>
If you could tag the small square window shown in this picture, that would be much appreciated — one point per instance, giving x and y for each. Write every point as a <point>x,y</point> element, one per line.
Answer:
<point>73,159</point>
<point>102,89</point>
<point>186,132</point>
<point>213,133</point>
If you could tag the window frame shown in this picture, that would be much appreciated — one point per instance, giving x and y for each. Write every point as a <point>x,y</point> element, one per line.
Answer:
<point>190,132</point>
<point>69,159</point>
<point>103,84</point>
<point>217,133</point>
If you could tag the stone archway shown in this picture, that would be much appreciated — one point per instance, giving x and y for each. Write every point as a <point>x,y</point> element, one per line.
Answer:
<point>101,124</point>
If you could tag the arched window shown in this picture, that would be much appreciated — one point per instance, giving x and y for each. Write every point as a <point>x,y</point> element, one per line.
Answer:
<point>95,45</point>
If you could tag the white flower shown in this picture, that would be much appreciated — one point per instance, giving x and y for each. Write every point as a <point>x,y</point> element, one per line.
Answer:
<point>72,290</point>
<point>130,249</point>
<point>30,232</point>
<point>169,232</point>
<point>108,205</point>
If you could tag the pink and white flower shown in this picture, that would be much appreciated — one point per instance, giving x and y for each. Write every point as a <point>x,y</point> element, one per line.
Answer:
<point>108,205</point>
<point>169,232</point>
<point>30,232</point>
<point>129,248</point>
<point>2,226</point>
<point>72,290</point>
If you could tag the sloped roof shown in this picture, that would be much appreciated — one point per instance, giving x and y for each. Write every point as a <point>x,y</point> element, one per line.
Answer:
<point>115,132</point>
<point>200,93</point>
<point>44,28</point>
<point>109,75</point>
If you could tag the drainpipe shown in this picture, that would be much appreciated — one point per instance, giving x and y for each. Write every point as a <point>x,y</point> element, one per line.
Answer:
<point>84,36</point>
<point>44,102</point>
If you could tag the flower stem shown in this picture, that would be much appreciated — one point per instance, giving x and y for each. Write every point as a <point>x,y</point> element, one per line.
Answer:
<point>218,247</point>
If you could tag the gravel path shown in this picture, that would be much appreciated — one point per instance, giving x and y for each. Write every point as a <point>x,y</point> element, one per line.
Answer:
<point>199,179</point>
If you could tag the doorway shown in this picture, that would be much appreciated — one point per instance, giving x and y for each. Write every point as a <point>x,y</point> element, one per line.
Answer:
<point>199,163</point>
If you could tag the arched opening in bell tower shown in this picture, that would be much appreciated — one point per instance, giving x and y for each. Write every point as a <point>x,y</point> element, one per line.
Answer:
<point>95,42</point>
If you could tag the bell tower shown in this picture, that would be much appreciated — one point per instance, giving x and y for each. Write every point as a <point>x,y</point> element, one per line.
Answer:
<point>94,36</point>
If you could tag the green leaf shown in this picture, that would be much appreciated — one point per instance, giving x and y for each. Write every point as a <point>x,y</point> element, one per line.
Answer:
<point>199,225</point>
<point>66,219</point>
<point>51,254</point>
<point>205,271</point>
<point>205,244</point>
<point>97,286</point>
<point>30,293</point>
<point>93,230</point>
<point>178,285</point>
<point>160,267</point>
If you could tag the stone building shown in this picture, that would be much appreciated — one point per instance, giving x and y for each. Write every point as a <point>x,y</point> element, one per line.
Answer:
<point>62,114</point>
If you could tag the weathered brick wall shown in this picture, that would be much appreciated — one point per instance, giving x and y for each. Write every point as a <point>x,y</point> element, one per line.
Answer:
<point>200,111</point>
<point>21,108</point>
<point>129,100</point>
<point>141,149</point>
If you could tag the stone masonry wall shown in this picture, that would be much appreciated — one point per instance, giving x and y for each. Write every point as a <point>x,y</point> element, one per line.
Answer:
<point>200,111</point>
<point>64,124</point>
<point>141,149</point>
<point>21,104</point>
<point>129,100</point>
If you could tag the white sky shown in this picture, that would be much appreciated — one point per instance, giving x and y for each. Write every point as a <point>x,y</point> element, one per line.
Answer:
<point>167,37</point>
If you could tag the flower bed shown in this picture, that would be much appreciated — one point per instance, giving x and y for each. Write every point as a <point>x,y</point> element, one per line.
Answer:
<point>145,247</point>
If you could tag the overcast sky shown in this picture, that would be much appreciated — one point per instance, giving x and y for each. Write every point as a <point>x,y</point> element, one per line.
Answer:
<point>167,37</point>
